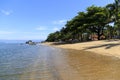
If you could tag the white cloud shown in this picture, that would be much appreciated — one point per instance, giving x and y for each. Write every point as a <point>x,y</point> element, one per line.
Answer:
<point>41,28</point>
<point>7,13</point>
<point>33,35</point>
<point>23,35</point>
<point>47,29</point>
<point>55,29</point>
<point>60,22</point>
<point>6,32</point>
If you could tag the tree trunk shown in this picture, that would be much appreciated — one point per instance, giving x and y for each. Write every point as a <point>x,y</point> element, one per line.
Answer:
<point>81,37</point>
<point>98,33</point>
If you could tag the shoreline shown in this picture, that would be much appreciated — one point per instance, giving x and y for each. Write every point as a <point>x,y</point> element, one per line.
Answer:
<point>103,47</point>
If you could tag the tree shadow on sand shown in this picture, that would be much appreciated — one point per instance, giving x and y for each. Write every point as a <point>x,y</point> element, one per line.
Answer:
<point>107,46</point>
<point>63,43</point>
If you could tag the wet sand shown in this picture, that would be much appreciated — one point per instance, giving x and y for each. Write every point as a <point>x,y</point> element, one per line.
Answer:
<point>97,60</point>
<point>53,66</point>
<point>92,66</point>
<point>68,64</point>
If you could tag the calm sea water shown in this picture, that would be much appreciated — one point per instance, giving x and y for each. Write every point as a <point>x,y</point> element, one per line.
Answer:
<point>19,62</point>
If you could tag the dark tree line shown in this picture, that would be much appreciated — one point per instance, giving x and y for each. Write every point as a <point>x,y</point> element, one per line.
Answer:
<point>95,21</point>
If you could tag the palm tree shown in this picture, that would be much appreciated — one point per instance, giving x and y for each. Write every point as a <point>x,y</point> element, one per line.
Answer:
<point>117,17</point>
<point>114,14</point>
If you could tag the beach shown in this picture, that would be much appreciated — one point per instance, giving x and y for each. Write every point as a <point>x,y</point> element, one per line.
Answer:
<point>43,62</point>
<point>102,47</point>
<point>94,60</point>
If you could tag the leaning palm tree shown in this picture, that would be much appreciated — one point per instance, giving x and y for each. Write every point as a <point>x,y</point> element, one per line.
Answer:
<point>114,14</point>
<point>117,15</point>
<point>117,10</point>
<point>110,10</point>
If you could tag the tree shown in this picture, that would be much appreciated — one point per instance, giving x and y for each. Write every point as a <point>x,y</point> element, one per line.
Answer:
<point>114,11</point>
<point>110,32</point>
<point>96,19</point>
<point>76,26</point>
<point>117,15</point>
<point>54,36</point>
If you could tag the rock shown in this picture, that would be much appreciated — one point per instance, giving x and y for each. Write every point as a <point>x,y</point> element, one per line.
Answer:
<point>30,42</point>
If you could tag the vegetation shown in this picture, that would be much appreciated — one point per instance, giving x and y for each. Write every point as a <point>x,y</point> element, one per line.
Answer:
<point>93,23</point>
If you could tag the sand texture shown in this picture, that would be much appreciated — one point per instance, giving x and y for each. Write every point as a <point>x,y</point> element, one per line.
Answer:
<point>104,47</point>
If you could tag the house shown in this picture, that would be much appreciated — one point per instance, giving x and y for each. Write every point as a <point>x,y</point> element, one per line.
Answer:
<point>94,37</point>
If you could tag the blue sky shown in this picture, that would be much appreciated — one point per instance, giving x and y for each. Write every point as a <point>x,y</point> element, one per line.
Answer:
<point>35,19</point>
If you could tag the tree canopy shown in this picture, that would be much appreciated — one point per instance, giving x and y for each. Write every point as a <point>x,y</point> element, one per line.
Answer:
<point>95,21</point>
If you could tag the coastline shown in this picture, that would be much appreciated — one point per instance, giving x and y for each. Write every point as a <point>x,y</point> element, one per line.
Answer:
<point>103,47</point>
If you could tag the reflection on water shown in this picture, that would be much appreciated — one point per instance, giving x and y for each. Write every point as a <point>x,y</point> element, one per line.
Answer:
<point>24,62</point>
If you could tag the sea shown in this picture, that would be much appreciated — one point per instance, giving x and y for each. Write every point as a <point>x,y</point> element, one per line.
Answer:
<point>24,62</point>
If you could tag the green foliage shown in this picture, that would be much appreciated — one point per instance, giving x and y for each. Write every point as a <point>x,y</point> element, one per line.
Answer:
<point>94,20</point>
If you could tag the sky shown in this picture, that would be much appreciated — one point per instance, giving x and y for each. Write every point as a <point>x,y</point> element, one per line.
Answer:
<point>35,19</point>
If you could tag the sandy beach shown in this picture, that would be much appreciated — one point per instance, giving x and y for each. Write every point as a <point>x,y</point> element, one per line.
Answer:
<point>94,60</point>
<point>103,47</point>
<point>79,61</point>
